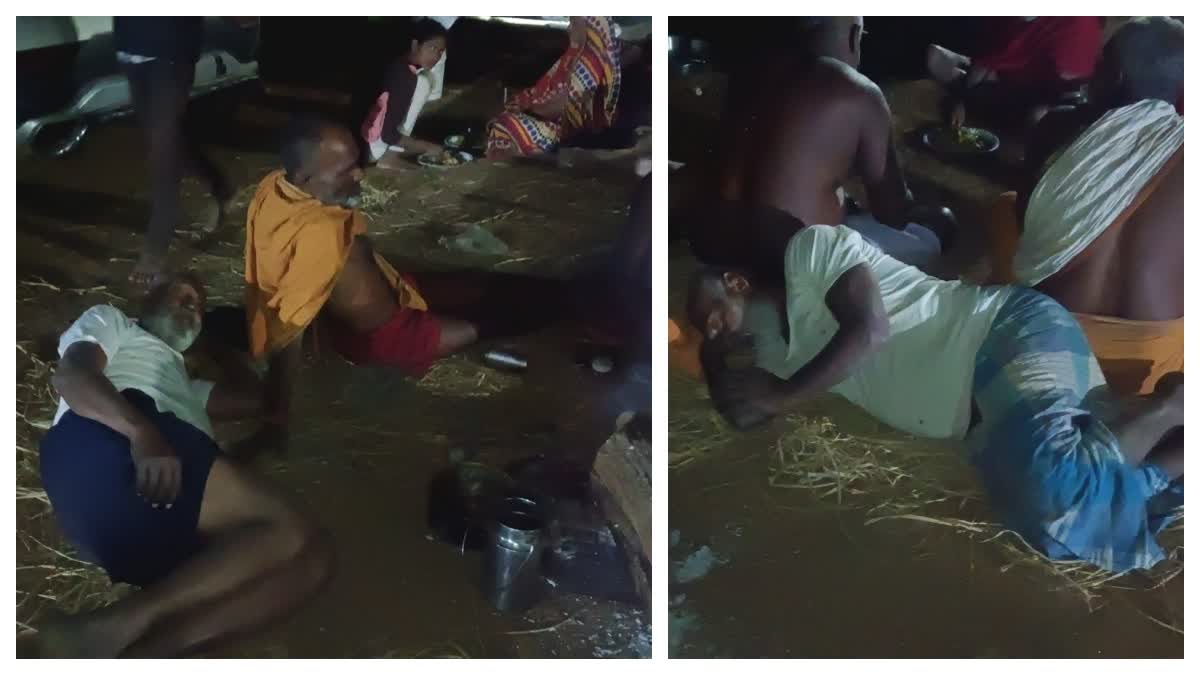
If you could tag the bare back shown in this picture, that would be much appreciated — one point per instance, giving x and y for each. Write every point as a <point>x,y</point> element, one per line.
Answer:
<point>797,131</point>
<point>362,298</point>
<point>1135,269</point>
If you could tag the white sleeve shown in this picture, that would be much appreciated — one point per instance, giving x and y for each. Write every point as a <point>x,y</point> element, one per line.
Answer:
<point>419,97</point>
<point>103,325</point>
<point>819,255</point>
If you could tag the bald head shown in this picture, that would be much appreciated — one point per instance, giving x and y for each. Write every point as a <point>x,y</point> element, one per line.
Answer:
<point>321,158</point>
<point>837,37</point>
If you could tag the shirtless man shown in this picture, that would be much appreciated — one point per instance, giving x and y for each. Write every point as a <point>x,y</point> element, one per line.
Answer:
<point>798,126</point>
<point>921,355</point>
<point>308,256</point>
<point>1101,223</point>
<point>1113,276</point>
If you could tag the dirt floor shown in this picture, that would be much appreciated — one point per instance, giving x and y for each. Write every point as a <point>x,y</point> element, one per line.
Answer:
<point>900,560</point>
<point>371,440</point>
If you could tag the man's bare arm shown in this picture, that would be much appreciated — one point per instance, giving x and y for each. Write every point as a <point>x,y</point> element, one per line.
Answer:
<point>736,386</point>
<point>281,374</point>
<point>857,305</point>
<point>879,162</point>
<point>80,380</point>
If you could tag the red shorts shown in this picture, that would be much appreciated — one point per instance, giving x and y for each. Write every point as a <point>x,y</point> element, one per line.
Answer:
<point>408,342</point>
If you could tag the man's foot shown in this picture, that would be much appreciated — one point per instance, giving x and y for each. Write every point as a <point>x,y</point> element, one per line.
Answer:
<point>150,269</point>
<point>69,637</point>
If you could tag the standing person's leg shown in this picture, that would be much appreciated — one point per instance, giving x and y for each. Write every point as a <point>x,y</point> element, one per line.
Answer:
<point>160,100</point>
<point>194,158</point>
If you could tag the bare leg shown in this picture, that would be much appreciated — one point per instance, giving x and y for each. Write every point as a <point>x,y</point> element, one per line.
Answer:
<point>254,605</point>
<point>456,335</point>
<point>1151,420</point>
<point>257,534</point>
<point>160,91</point>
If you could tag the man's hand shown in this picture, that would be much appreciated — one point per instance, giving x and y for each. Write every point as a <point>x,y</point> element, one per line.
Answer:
<point>158,470</point>
<point>743,393</point>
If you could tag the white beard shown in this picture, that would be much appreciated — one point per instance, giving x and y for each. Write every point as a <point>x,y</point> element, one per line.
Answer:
<point>164,327</point>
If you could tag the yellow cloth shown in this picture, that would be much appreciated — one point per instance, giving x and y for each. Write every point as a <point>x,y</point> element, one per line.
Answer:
<point>295,249</point>
<point>1134,354</point>
<point>684,349</point>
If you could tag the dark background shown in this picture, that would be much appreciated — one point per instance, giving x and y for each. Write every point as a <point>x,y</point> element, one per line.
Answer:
<point>893,48</point>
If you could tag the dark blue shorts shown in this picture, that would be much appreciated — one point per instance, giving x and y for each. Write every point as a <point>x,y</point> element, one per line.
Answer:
<point>91,482</point>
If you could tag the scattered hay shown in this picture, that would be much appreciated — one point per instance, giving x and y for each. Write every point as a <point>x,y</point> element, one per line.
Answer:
<point>460,376</point>
<point>376,199</point>
<point>694,429</point>
<point>930,483</point>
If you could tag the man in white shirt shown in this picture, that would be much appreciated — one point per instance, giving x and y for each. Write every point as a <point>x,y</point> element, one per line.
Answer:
<point>139,486</point>
<point>922,354</point>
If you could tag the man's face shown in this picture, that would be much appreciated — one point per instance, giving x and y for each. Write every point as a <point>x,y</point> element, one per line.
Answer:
<point>335,177</point>
<point>177,317</point>
<point>723,305</point>
<point>426,54</point>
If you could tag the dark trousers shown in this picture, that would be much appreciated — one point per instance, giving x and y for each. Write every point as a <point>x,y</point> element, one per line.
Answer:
<point>160,90</point>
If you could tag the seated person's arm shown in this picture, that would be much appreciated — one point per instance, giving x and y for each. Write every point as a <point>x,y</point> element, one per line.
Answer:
<point>857,305</point>
<point>276,397</point>
<point>81,382</point>
<point>878,163</point>
<point>419,146</point>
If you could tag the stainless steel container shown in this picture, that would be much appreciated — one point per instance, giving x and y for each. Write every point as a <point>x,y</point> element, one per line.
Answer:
<point>512,556</point>
<point>505,360</point>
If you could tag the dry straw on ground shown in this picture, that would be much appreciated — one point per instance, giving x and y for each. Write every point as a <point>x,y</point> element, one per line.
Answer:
<point>461,376</point>
<point>694,429</point>
<point>931,483</point>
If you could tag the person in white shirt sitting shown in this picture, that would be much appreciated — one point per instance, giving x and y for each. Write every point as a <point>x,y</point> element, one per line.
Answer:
<point>930,357</point>
<point>140,487</point>
<point>388,127</point>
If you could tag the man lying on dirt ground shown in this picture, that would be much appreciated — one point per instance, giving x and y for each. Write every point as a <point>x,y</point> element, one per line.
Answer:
<point>139,486</point>
<point>308,257</point>
<point>1102,228</point>
<point>927,357</point>
<point>797,126</point>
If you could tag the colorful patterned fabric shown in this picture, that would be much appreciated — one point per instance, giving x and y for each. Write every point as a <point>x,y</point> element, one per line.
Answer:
<point>1051,467</point>
<point>588,76</point>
